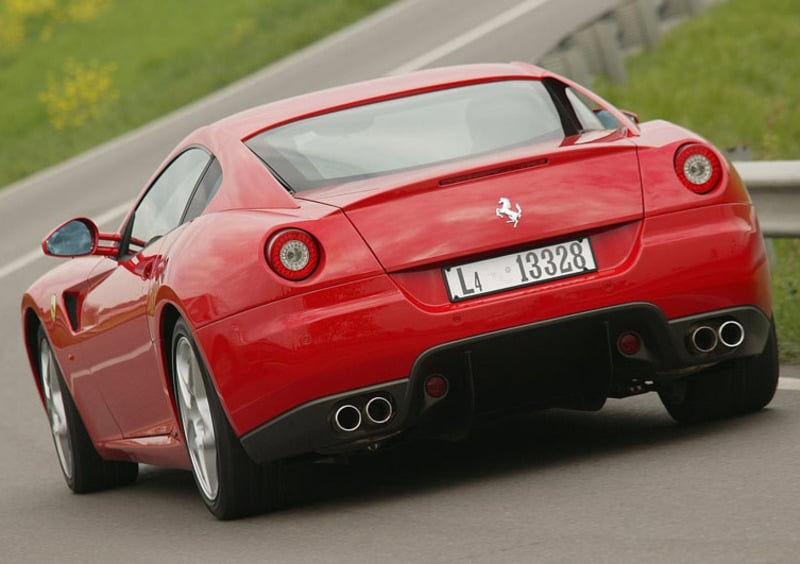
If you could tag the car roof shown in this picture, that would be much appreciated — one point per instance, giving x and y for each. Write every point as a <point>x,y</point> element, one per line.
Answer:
<point>250,122</point>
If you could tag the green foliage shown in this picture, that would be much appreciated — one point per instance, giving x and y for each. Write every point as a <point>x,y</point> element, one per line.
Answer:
<point>84,92</point>
<point>74,73</point>
<point>733,75</point>
<point>786,298</point>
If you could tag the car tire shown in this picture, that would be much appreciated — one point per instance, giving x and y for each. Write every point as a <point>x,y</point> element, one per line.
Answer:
<point>735,387</point>
<point>759,376</point>
<point>83,468</point>
<point>229,482</point>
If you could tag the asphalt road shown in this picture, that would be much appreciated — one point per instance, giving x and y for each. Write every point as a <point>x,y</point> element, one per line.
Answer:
<point>621,485</point>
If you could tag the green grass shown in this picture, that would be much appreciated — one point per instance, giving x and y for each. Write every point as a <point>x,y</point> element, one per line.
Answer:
<point>165,53</point>
<point>733,75</point>
<point>785,288</point>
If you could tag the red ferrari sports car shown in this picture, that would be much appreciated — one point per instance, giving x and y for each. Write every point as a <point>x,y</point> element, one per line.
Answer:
<point>397,258</point>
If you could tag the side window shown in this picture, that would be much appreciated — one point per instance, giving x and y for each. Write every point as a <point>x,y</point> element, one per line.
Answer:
<point>162,207</point>
<point>583,107</point>
<point>208,186</point>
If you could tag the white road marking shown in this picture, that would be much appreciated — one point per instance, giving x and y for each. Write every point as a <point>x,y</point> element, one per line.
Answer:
<point>470,36</point>
<point>20,263</point>
<point>114,213</point>
<point>32,256</point>
<point>789,384</point>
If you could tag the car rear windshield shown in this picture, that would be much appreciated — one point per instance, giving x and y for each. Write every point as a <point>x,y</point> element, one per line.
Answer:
<point>409,132</point>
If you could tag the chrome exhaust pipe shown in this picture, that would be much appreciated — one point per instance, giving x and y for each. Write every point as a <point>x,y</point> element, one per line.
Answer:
<point>704,339</point>
<point>347,418</point>
<point>731,334</point>
<point>379,410</point>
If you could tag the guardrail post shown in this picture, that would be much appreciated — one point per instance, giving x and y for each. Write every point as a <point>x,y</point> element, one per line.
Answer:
<point>569,62</point>
<point>601,50</point>
<point>680,8</point>
<point>638,24</point>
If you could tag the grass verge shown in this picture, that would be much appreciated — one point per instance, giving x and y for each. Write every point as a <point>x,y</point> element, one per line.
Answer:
<point>732,74</point>
<point>75,73</point>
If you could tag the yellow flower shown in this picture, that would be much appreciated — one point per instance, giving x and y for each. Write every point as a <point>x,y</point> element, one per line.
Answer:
<point>84,92</point>
<point>24,9</point>
<point>12,34</point>
<point>15,16</point>
<point>85,10</point>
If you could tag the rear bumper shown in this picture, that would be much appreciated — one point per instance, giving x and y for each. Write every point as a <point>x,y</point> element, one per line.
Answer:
<point>572,361</point>
<point>273,362</point>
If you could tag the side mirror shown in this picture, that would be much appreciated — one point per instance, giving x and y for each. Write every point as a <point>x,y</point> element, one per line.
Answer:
<point>631,116</point>
<point>76,238</point>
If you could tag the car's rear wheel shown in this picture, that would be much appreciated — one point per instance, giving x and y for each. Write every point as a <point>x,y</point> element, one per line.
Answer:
<point>229,482</point>
<point>83,468</point>
<point>730,388</point>
<point>759,377</point>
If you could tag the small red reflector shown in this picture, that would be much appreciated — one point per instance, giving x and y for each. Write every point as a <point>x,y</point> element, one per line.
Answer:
<point>629,344</point>
<point>436,386</point>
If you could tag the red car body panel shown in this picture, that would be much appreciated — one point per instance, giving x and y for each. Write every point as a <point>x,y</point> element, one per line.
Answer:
<point>556,199</point>
<point>393,321</point>
<point>377,301</point>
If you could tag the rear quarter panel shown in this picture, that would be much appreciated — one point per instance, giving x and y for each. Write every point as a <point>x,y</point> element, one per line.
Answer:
<point>662,189</point>
<point>217,267</point>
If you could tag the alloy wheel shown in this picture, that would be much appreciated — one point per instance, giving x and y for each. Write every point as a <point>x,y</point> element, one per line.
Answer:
<point>56,411</point>
<point>198,426</point>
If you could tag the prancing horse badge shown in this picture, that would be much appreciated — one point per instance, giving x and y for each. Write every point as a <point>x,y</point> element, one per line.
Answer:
<point>505,211</point>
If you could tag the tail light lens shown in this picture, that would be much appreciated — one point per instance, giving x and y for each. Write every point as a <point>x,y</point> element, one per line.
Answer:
<point>698,167</point>
<point>293,254</point>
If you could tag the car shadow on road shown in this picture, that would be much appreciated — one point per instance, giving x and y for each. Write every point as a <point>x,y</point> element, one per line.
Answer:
<point>520,444</point>
<point>526,443</point>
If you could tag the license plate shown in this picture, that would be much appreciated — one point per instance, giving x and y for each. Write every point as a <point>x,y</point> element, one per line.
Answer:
<point>534,266</point>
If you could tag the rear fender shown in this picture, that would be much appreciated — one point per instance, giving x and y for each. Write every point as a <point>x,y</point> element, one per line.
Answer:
<point>662,189</point>
<point>217,267</point>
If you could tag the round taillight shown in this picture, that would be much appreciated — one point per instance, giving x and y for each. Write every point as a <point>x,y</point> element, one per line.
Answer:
<point>698,167</point>
<point>293,254</point>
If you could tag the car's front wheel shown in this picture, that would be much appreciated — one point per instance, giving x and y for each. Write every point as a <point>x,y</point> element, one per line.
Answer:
<point>730,388</point>
<point>83,468</point>
<point>230,483</point>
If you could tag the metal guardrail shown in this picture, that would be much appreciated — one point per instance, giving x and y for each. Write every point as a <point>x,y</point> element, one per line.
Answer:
<point>775,189</point>
<point>601,46</point>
